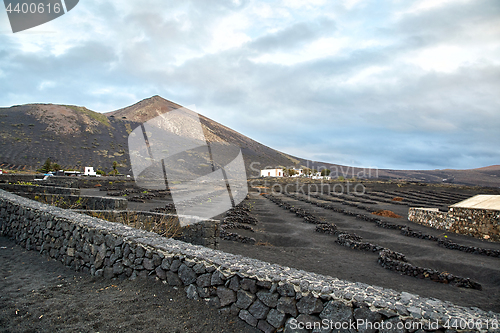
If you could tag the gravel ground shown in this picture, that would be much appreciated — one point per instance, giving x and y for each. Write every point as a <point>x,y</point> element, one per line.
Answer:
<point>38,294</point>
<point>285,239</point>
<point>41,295</point>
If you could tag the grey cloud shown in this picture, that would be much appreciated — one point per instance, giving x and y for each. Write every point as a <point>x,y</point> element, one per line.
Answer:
<point>386,149</point>
<point>293,36</point>
<point>449,22</point>
<point>311,84</point>
<point>346,116</point>
<point>73,75</point>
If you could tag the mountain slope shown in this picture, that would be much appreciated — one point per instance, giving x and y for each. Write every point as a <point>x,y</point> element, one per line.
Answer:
<point>214,132</point>
<point>75,137</point>
<point>69,135</point>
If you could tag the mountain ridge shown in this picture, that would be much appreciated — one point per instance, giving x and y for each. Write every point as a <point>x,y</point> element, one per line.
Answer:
<point>74,137</point>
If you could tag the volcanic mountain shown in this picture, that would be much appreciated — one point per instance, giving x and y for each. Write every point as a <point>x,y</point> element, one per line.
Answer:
<point>74,137</point>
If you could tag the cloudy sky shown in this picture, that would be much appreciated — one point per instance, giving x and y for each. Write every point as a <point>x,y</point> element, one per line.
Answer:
<point>387,84</point>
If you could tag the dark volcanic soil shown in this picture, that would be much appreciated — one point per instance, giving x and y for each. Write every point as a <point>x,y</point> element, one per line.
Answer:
<point>289,241</point>
<point>41,295</point>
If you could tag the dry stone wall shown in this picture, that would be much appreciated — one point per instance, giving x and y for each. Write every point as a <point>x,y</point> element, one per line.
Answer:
<point>17,188</point>
<point>65,197</point>
<point>81,201</point>
<point>68,181</point>
<point>267,296</point>
<point>204,232</point>
<point>478,223</point>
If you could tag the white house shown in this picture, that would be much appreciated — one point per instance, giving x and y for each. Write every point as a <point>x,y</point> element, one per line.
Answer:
<point>271,172</point>
<point>318,175</point>
<point>298,172</point>
<point>89,171</point>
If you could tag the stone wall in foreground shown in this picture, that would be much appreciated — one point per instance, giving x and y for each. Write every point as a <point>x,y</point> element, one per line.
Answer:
<point>264,295</point>
<point>478,223</point>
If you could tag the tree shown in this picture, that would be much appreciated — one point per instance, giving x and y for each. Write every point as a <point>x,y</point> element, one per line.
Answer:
<point>325,172</point>
<point>47,166</point>
<point>115,171</point>
<point>56,167</point>
<point>307,171</point>
<point>289,172</point>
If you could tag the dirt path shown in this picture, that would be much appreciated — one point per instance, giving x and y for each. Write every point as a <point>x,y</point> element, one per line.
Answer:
<point>38,294</point>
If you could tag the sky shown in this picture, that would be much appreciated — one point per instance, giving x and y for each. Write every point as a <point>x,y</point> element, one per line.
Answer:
<point>394,84</point>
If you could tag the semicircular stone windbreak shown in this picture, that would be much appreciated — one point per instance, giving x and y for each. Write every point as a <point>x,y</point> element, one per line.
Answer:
<point>405,230</point>
<point>388,259</point>
<point>238,217</point>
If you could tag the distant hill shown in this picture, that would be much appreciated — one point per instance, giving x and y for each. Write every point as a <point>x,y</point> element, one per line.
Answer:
<point>74,137</point>
<point>487,176</point>
<point>71,136</point>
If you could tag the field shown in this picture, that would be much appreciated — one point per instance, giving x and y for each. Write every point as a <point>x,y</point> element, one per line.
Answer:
<point>280,222</point>
<point>283,237</point>
<point>328,229</point>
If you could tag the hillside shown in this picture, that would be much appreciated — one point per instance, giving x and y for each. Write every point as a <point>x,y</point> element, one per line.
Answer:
<point>71,136</point>
<point>481,177</point>
<point>75,137</point>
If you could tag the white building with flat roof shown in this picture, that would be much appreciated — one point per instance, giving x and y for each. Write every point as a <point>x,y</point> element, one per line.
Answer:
<point>89,171</point>
<point>478,216</point>
<point>480,201</point>
<point>271,172</point>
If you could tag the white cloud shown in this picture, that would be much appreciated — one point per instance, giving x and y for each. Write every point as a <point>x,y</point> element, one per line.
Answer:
<point>367,76</point>
<point>229,33</point>
<point>266,11</point>
<point>349,4</point>
<point>300,4</point>
<point>318,49</point>
<point>444,58</point>
<point>46,84</point>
